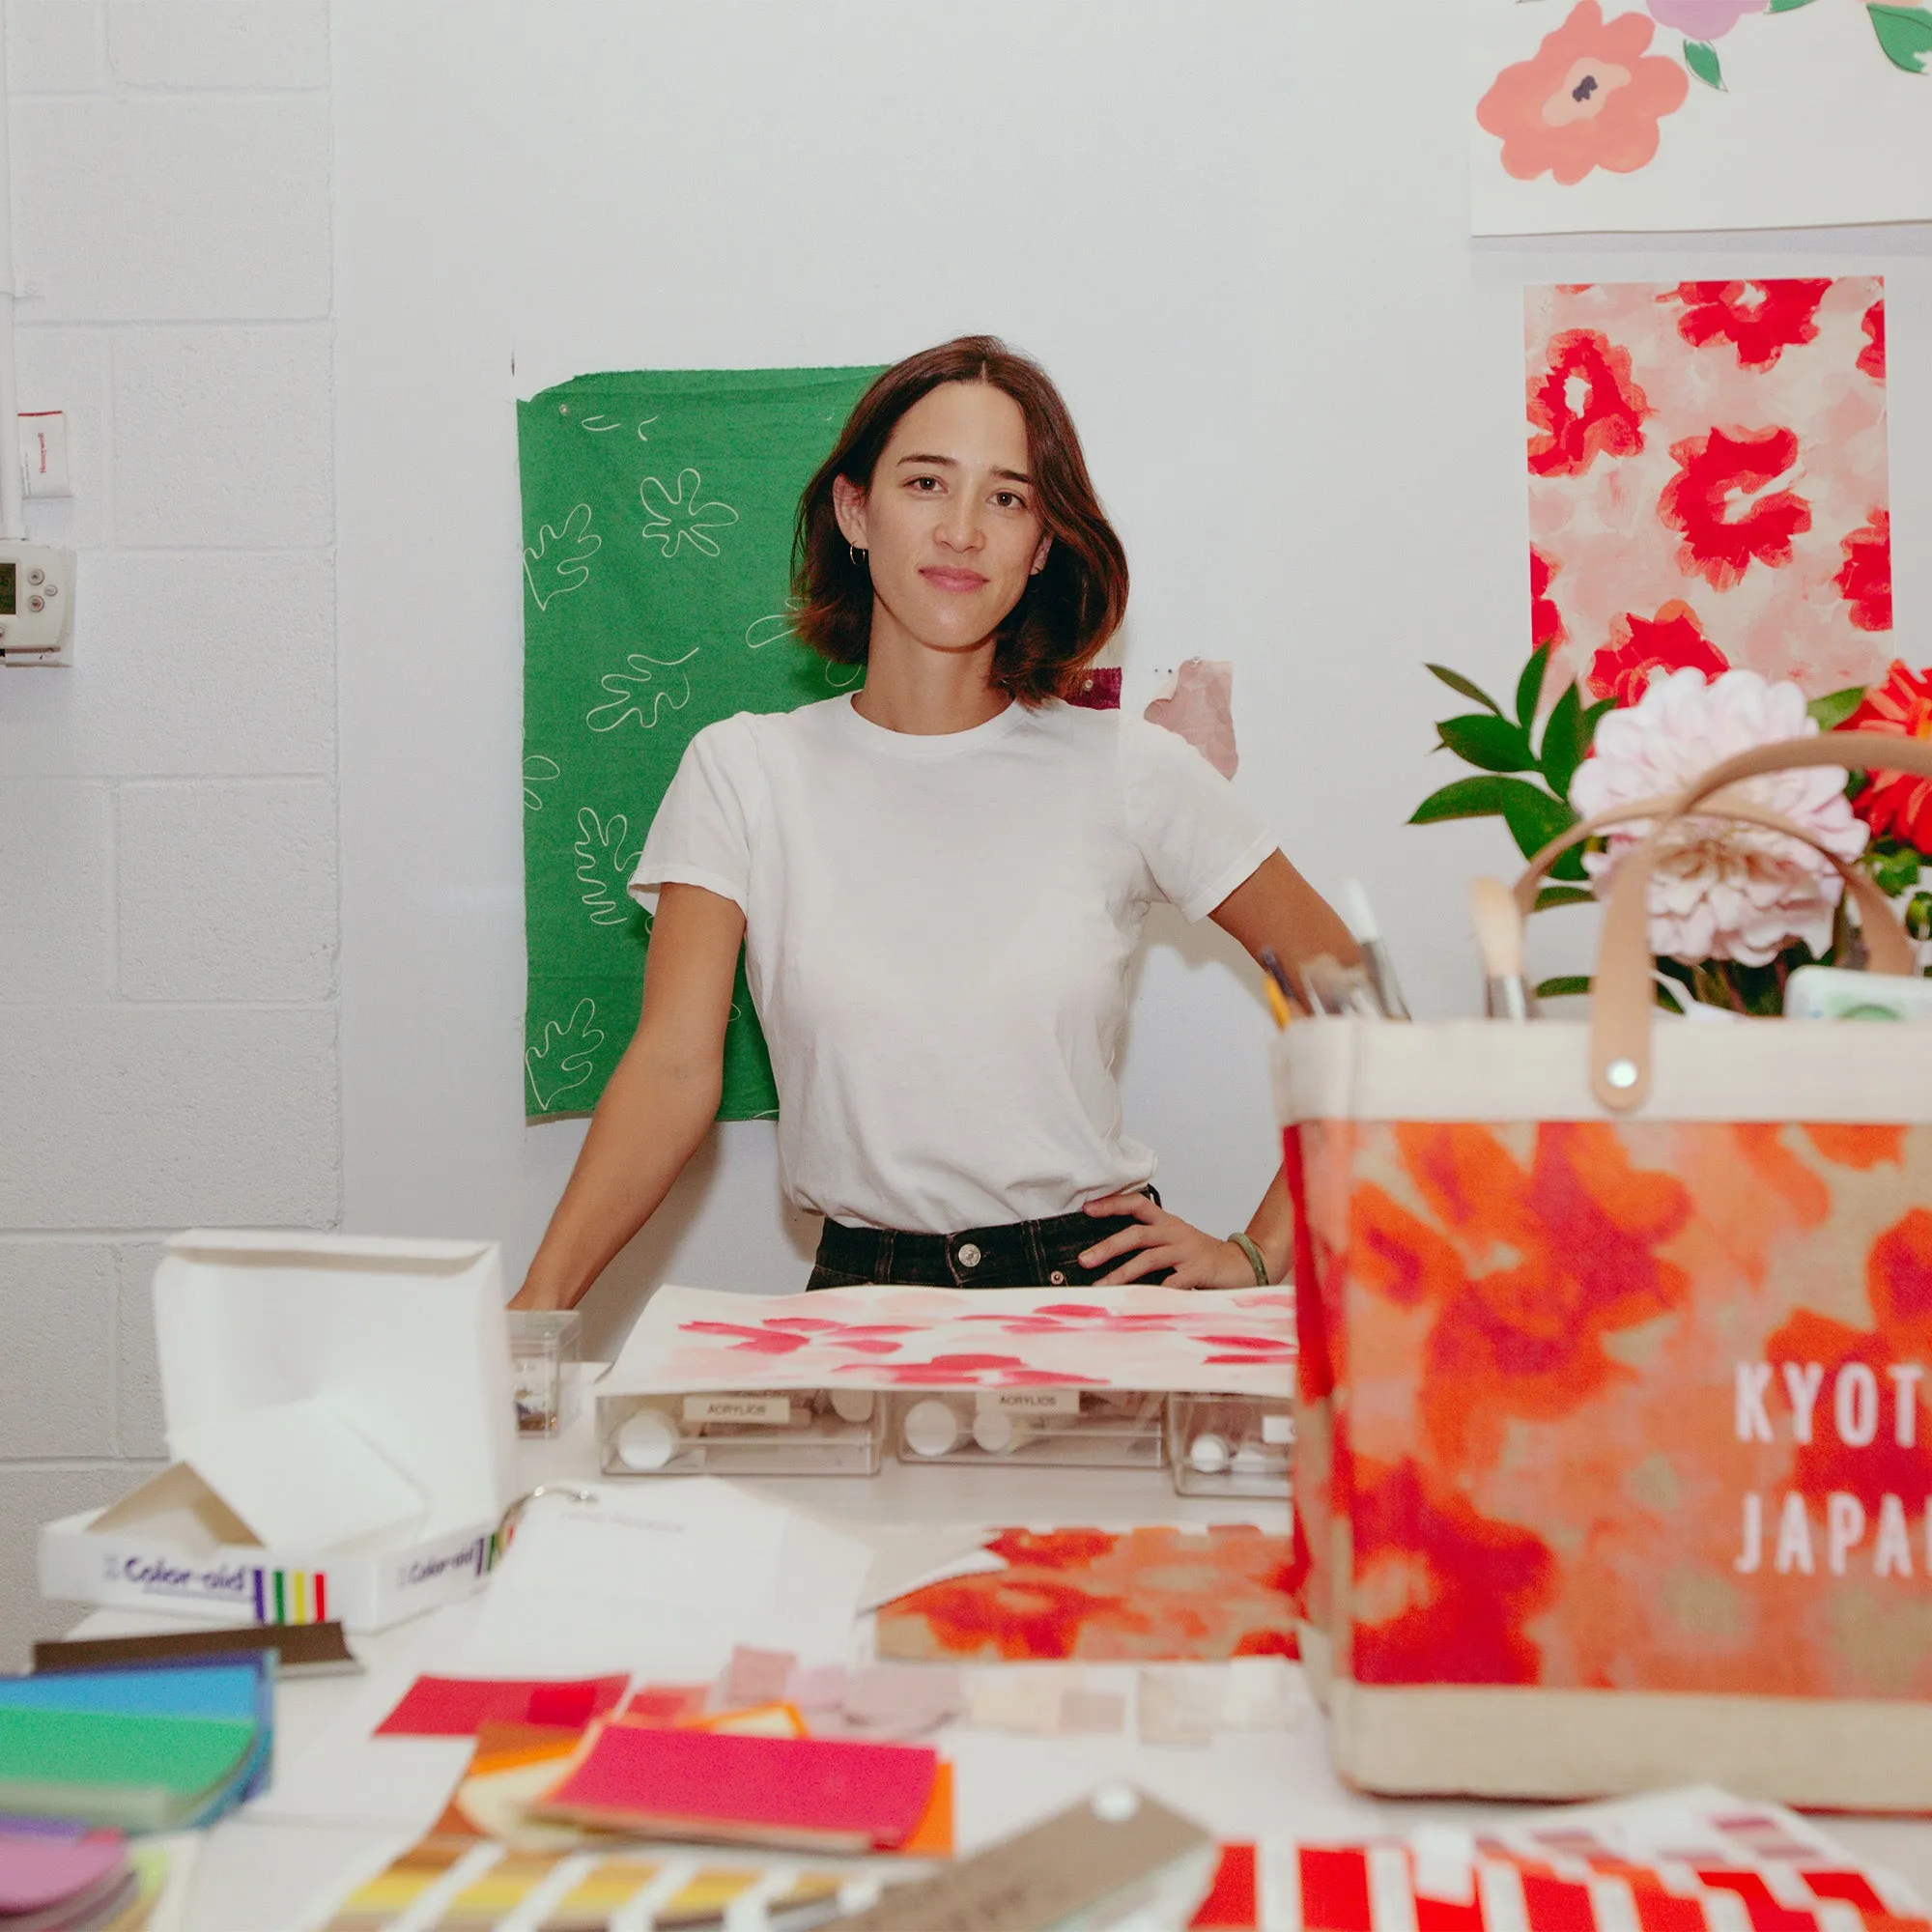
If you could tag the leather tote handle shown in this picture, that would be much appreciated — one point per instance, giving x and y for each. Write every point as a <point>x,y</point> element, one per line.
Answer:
<point>1621,1016</point>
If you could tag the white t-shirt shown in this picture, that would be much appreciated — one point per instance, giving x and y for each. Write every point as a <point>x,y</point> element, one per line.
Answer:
<point>938,931</point>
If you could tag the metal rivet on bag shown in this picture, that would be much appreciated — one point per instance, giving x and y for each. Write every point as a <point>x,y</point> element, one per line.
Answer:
<point>1621,1073</point>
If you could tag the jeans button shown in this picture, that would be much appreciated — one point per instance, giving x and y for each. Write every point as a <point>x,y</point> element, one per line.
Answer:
<point>1058,1277</point>
<point>969,1255</point>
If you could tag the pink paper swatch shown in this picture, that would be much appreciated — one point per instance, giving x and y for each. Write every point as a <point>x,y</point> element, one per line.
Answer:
<point>455,1707</point>
<point>37,1871</point>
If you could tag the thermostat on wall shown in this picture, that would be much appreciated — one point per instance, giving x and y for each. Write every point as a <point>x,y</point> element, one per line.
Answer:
<point>36,604</point>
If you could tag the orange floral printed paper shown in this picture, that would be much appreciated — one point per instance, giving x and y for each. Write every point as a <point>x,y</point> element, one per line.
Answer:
<point>1628,1405</point>
<point>1147,1595</point>
<point>1708,481</point>
<point>1590,115</point>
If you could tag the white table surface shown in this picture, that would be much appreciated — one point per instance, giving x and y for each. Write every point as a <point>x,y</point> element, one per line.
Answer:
<point>337,1812</point>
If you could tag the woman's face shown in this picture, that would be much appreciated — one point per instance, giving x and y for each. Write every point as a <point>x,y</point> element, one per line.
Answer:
<point>950,523</point>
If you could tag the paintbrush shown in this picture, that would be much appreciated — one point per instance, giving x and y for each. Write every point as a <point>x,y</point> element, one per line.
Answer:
<point>1506,994</point>
<point>1359,916</point>
<point>1275,983</point>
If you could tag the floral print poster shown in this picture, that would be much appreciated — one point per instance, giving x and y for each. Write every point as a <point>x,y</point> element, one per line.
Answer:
<point>1648,115</point>
<point>1708,481</point>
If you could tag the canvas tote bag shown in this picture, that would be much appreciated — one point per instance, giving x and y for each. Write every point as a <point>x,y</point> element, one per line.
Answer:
<point>1614,1456</point>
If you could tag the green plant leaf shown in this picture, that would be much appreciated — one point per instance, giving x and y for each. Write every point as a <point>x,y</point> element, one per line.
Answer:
<point>1562,895</point>
<point>1563,987</point>
<point>1534,818</point>
<point>1895,868</point>
<point>1832,709</point>
<point>1457,682</point>
<point>1466,798</point>
<point>1701,58</point>
<point>1530,687</point>
<point>1493,744</point>
<point>1563,745</point>
<point>1905,33</point>
<point>1918,916</point>
<point>1786,6</point>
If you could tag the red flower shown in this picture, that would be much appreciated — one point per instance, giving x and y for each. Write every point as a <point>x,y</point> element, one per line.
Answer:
<point>1671,640</point>
<point>1867,578</point>
<point>1872,357</point>
<point>1546,620</point>
<point>1760,320</point>
<point>1896,803</point>
<point>1587,403</point>
<point>1710,471</point>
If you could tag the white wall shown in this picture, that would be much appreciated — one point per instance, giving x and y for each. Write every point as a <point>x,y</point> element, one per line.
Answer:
<point>1237,233</point>
<point>167,806</point>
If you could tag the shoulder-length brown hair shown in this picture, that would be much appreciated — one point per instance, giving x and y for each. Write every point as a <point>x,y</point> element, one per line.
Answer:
<point>1064,615</point>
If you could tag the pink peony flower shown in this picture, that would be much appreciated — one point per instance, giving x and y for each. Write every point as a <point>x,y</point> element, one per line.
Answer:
<point>1703,19</point>
<point>1723,890</point>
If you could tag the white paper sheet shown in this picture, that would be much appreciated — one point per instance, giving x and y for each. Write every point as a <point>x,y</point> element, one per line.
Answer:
<point>298,1476</point>
<point>1805,120</point>
<point>666,1581</point>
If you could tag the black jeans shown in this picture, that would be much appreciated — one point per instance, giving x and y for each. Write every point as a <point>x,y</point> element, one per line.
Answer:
<point>1021,1254</point>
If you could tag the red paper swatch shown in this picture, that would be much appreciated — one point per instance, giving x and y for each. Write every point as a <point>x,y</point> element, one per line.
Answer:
<point>816,1792</point>
<point>456,1707</point>
<point>1232,1904</point>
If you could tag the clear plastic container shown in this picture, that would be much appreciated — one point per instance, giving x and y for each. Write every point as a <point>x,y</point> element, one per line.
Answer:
<point>1106,1428</point>
<point>1229,1446</point>
<point>542,1342</point>
<point>743,1432</point>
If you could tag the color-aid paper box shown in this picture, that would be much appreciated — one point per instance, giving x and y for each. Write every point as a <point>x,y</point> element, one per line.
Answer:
<point>742,1432</point>
<point>340,1414</point>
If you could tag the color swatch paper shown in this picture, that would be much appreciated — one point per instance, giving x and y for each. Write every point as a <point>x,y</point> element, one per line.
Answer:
<point>458,1707</point>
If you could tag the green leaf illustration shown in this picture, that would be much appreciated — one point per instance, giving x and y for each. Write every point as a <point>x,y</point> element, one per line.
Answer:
<point>1831,710</point>
<point>1701,58</point>
<point>1563,741</point>
<point>1905,33</point>
<point>1457,682</point>
<point>1786,6</point>
<point>1492,743</point>
<point>1562,895</point>
<point>1530,687</point>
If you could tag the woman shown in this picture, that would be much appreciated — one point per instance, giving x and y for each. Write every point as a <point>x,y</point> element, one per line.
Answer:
<point>940,881</point>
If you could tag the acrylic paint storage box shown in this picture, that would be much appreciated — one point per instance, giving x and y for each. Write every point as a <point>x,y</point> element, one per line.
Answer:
<point>543,1343</point>
<point>339,1413</point>
<point>1065,1428</point>
<point>742,1432</point>
<point>1229,1446</point>
<point>1614,1451</point>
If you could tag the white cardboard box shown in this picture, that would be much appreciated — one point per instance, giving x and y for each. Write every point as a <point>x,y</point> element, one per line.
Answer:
<point>352,1395</point>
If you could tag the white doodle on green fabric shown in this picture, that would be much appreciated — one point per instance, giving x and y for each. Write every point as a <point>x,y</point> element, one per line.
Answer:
<point>561,561</point>
<point>630,699</point>
<point>538,770</point>
<point>763,631</point>
<point>673,517</point>
<point>603,861</point>
<point>563,1058</point>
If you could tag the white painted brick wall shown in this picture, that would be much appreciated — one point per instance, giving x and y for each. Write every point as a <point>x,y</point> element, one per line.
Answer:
<point>227,889</point>
<point>168,854</point>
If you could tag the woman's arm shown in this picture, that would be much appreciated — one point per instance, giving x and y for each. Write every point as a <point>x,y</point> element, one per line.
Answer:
<point>658,1103</point>
<point>1275,908</point>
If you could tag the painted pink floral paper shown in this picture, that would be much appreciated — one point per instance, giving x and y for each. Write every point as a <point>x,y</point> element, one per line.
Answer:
<point>1707,480</point>
<point>1134,1338</point>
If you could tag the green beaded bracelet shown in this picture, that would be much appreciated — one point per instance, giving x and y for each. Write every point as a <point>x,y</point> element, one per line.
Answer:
<point>1256,1259</point>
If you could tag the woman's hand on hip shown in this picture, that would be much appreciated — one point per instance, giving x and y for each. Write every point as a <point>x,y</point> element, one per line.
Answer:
<point>1158,1240</point>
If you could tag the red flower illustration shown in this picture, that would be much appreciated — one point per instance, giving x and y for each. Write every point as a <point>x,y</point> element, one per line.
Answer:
<point>1726,470</point>
<point>1867,578</point>
<point>1872,357</point>
<point>1546,620</point>
<point>1441,1595</point>
<point>1760,320</point>
<point>1896,803</point>
<point>1671,640</point>
<point>1585,404</point>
